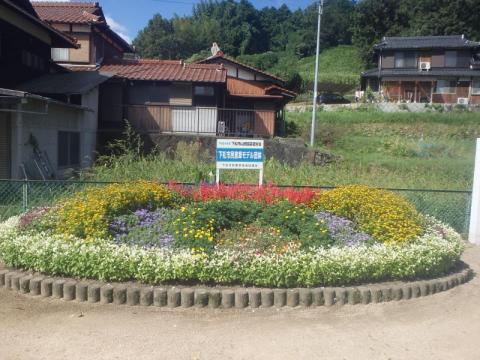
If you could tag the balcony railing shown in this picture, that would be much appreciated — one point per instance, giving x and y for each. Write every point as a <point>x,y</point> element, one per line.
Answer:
<point>193,120</point>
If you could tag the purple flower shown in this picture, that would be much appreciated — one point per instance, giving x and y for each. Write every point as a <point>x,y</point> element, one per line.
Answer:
<point>343,230</point>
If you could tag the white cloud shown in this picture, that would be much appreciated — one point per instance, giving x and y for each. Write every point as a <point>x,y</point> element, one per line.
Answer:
<point>118,28</point>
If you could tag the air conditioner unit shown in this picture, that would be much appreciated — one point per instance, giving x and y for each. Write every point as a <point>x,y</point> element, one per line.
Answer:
<point>425,65</point>
<point>462,101</point>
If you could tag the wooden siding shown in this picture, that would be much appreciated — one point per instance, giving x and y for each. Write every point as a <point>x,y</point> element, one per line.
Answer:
<point>4,146</point>
<point>181,94</point>
<point>150,118</point>
<point>388,60</point>
<point>264,119</point>
<point>83,53</point>
<point>438,59</point>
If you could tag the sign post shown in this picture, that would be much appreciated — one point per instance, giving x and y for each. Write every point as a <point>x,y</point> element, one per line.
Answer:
<point>240,154</point>
<point>474,230</point>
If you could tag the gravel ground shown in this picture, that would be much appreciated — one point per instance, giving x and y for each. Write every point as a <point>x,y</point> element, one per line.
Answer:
<point>442,326</point>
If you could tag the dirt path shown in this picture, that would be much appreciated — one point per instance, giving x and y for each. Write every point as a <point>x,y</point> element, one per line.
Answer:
<point>443,326</point>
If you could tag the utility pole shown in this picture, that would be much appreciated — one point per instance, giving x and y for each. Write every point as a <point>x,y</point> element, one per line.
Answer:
<point>315,86</point>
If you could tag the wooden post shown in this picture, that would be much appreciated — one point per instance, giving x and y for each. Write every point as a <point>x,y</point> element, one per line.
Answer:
<point>416,92</point>
<point>431,91</point>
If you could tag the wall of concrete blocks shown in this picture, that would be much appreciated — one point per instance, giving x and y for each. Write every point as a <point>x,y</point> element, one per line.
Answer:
<point>208,297</point>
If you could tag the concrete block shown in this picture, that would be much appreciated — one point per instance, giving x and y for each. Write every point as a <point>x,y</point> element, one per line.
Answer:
<point>353,296</point>
<point>146,296</point>
<point>25,284</point>
<point>159,296</point>
<point>406,292</point>
<point>46,287</point>
<point>2,277</point>
<point>279,297</point>
<point>267,297</point>
<point>214,298</point>
<point>329,294</point>
<point>305,297</point>
<point>187,297</point>
<point>119,294</point>
<point>424,288</point>
<point>8,279</point>
<point>201,298</point>
<point>241,298</point>
<point>35,285</point>
<point>133,296</point>
<point>416,290</point>
<point>254,298</point>
<point>57,288</point>
<point>81,291</point>
<point>377,294</point>
<point>69,290</point>
<point>397,293</point>
<point>106,294</point>
<point>173,297</point>
<point>293,297</point>
<point>340,296</point>
<point>318,298</point>
<point>16,281</point>
<point>228,299</point>
<point>387,294</point>
<point>365,294</point>
<point>93,292</point>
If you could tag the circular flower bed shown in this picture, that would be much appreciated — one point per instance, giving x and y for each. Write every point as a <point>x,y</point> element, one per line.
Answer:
<point>244,235</point>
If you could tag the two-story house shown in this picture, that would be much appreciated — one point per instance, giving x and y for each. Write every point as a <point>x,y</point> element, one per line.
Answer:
<point>84,21</point>
<point>43,130</point>
<point>430,69</point>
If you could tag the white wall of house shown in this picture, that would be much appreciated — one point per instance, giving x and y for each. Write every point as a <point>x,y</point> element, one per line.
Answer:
<point>43,124</point>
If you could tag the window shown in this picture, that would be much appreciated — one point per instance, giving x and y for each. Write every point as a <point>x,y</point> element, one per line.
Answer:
<point>476,87</point>
<point>445,87</point>
<point>68,148</point>
<point>405,59</point>
<point>450,58</point>
<point>60,54</point>
<point>204,91</point>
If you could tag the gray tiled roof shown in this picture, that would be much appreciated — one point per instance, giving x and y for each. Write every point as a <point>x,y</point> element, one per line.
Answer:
<point>426,42</point>
<point>415,72</point>
<point>79,82</point>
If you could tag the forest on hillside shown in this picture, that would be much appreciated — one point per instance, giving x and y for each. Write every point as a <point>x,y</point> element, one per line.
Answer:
<point>282,40</point>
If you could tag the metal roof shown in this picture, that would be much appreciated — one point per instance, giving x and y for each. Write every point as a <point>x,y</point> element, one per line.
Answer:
<point>426,42</point>
<point>166,70</point>
<point>79,82</point>
<point>415,72</point>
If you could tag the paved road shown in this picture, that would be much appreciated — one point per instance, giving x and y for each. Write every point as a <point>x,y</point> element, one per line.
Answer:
<point>443,326</point>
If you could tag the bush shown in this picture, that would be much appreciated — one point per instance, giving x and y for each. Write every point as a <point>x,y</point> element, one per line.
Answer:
<point>87,214</point>
<point>434,254</point>
<point>386,216</point>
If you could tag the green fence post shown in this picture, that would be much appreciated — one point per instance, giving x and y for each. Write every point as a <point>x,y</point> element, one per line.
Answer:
<point>24,195</point>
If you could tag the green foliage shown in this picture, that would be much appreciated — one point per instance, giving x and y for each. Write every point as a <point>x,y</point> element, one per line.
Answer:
<point>435,254</point>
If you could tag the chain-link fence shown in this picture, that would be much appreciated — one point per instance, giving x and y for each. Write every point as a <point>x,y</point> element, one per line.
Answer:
<point>449,206</point>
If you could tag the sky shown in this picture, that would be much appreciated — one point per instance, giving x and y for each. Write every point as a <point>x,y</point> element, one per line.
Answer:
<point>127,17</point>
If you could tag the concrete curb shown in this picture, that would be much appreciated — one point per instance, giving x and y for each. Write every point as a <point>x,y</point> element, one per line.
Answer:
<point>238,297</point>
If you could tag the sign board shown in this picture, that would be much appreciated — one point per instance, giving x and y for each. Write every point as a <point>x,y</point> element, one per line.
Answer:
<point>240,154</point>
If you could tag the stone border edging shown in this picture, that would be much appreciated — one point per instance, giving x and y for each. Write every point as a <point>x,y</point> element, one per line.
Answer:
<point>237,297</point>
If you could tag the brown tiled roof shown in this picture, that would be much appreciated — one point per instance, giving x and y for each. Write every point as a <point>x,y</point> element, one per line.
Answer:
<point>221,56</point>
<point>166,70</point>
<point>69,12</point>
<point>59,39</point>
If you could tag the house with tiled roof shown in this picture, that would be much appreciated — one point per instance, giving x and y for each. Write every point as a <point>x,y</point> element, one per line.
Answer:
<point>216,97</point>
<point>48,115</point>
<point>429,69</point>
<point>86,22</point>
